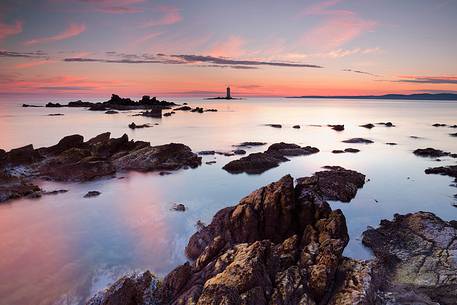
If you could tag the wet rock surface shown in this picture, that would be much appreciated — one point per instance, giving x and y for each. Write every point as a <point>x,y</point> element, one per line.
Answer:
<point>432,153</point>
<point>72,159</point>
<point>257,163</point>
<point>450,171</point>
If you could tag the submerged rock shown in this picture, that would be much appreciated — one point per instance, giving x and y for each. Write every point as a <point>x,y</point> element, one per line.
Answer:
<point>387,124</point>
<point>391,143</point>
<point>179,207</point>
<point>358,141</point>
<point>274,125</point>
<point>351,150</point>
<point>111,112</point>
<point>439,125</point>
<point>337,127</point>
<point>257,163</point>
<point>250,144</point>
<point>14,187</point>
<point>135,126</point>
<point>369,126</point>
<point>450,170</point>
<point>296,126</point>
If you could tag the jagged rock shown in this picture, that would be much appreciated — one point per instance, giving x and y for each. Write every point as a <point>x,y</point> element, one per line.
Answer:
<point>135,289</point>
<point>450,170</point>
<point>369,125</point>
<point>420,257</point>
<point>183,108</point>
<point>257,163</point>
<point>358,141</point>
<point>206,152</point>
<point>179,207</point>
<point>335,183</point>
<point>20,156</point>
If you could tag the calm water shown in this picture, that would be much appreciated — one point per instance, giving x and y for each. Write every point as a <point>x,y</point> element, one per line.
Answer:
<point>61,249</point>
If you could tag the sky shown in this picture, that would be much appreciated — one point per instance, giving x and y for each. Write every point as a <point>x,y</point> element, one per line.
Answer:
<point>92,48</point>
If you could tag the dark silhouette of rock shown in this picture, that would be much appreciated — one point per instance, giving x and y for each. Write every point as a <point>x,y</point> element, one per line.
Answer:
<point>453,134</point>
<point>211,162</point>
<point>135,126</point>
<point>239,152</point>
<point>152,113</point>
<point>98,107</point>
<point>55,114</point>
<point>91,194</point>
<point>250,144</point>
<point>439,125</point>
<point>257,163</point>
<point>387,124</point>
<point>21,156</point>
<point>183,108</point>
<point>12,187</point>
<point>453,126</point>
<point>29,105</point>
<point>358,141</point>
<point>296,126</point>
<point>337,127</point>
<point>274,125</point>
<point>179,207</point>
<point>391,143</point>
<point>211,110</point>
<point>430,152</point>
<point>337,151</point>
<point>206,152</point>
<point>111,112</point>
<point>53,105</point>
<point>352,150</point>
<point>197,109</point>
<point>369,126</point>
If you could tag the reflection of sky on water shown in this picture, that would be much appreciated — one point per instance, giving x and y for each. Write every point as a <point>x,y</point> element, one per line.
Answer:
<point>63,248</point>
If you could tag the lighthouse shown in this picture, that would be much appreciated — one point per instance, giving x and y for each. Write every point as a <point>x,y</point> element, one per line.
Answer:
<point>228,95</point>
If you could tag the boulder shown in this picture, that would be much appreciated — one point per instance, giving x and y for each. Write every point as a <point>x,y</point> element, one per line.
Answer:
<point>337,127</point>
<point>358,141</point>
<point>14,187</point>
<point>430,152</point>
<point>369,126</point>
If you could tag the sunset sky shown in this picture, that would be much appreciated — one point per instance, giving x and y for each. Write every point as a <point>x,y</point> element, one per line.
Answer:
<point>92,48</point>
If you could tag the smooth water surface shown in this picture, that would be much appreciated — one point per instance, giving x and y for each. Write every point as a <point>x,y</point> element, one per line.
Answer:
<point>61,249</point>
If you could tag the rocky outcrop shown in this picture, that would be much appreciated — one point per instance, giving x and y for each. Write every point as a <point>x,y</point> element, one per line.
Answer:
<point>450,170</point>
<point>13,187</point>
<point>358,141</point>
<point>72,159</point>
<point>432,153</point>
<point>257,163</point>
<point>282,244</point>
<point>337,127</point>
<point>368,126</point>
<point>419,252</point>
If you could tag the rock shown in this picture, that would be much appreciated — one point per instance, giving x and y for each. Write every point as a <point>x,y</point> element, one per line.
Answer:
<point>352,150</point>
<point>335,183</point>
<point>83,170</point>
<point>387,124</point>
<point>225,153</point>
<point>183,108</point>
<point>111,112</point>
<point>239,152</point>
<point>450,170</point>
<point>257,163</point>
<point>337,151</point>
<point>168,114</point>
<point>419,257</point>
<point>206,152</point>
<point>430,152</point>
<point>391,143</point>
<point>54,192</point>
<point>55,114</point>
<point>415,137</point>
<point>274,125</point>
<point>91,194</point>
<point>29,105</point>
<point>13,188</point>
<point>134,289</point>
<point>68,142</point>
<point>197,109</point>
<point>179,207</point>
<point>135,126</point>
<point>211,162</point>
<point>98,107</point>
<point>453,126</point>
<point>21,156</point>
<point>152,113</point>
<point>211,110</point>
<point>439,125</point>
<point>53,105</point>
<point>453,134</point>
<point>296,126</point>
<point>79,103</point>
<point>250,144</point>
<point>337,127</point>
<point>358,141</point>
<point>101,138</point>
<point>164,173</point>
<point>369,126</point>
<point>166,157</point>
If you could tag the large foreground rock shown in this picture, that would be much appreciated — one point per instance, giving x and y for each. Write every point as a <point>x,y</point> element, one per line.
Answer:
<point>420,253</point>
<point>257,163</point>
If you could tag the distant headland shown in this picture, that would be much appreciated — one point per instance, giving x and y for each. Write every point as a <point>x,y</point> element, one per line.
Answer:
<point>416,96</point>
<point>228,96</point>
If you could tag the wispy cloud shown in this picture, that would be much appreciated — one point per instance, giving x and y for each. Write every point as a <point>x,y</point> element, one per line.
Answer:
<point>338,27</point>
<point>232,47</point>
<point>169,15</point>
<point>428,79</point>
<point>73,30</point>
<point>34,63</point>
<point>36,54</point>
<point>10,29</point>
<point>360,72</point>
<point>183,59</point>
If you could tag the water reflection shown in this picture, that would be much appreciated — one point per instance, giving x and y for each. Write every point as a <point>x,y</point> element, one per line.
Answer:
<point>61,249</point>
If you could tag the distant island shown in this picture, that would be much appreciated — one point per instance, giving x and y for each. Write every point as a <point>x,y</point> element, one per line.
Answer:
<point>228,96</point>
<point>416,96</point>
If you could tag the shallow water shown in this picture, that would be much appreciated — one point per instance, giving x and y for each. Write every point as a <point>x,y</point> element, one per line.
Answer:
<point>61,249</point>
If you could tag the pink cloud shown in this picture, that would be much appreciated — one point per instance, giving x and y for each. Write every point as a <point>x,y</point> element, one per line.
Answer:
<point>232,47</point>
<point>73,30</point>
<point>119,10</point>
<point>147,37</point>
<point>339,26</point>
<point>34,63</point>
<point>170,15</point>
<point>10,29</point>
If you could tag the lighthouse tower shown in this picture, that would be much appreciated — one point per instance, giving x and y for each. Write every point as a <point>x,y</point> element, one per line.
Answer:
<point>228,95</point>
